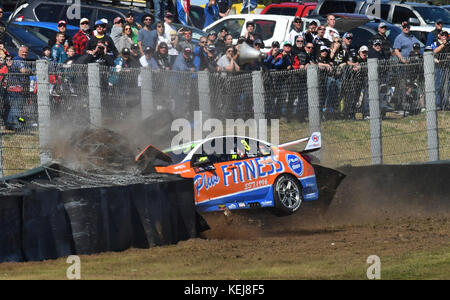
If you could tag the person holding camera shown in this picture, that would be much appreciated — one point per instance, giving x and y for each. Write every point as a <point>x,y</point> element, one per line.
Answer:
<point>251,35</point>
<point>101,43</point>
<point>442,44</point>
<point>186,41</point>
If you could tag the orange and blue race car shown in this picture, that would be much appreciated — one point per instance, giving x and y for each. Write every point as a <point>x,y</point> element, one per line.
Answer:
<point>235,172</point>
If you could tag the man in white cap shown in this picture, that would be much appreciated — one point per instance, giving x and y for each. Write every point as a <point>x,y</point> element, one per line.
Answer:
<point>82,37</point>
<point>363,54</point>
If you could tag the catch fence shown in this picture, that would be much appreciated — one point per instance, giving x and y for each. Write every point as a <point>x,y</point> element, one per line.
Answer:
<point>376,112</point>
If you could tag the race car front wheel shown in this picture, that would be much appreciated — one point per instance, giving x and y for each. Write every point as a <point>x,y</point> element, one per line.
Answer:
<point>287,195</point>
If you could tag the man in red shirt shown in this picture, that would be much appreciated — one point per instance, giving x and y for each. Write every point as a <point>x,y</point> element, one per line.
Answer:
<point>82,37</point>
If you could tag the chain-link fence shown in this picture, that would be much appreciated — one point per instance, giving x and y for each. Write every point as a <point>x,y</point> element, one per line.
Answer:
<point>337,101</point>
<point>19,142</point>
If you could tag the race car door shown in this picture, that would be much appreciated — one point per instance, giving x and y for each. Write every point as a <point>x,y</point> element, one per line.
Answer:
<point>231,169</point>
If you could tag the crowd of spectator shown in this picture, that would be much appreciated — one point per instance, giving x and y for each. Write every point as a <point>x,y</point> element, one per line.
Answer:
<point>160,46</point>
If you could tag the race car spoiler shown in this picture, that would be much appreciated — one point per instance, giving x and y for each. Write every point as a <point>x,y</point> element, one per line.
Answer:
<point>314,143</point>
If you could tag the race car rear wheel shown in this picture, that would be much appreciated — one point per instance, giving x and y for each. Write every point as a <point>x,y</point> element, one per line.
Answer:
<point>287,195</point>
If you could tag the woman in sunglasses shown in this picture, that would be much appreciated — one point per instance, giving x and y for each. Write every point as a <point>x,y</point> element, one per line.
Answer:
<point>125,40</point>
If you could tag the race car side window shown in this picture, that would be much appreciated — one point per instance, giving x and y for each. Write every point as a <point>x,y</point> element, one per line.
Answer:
<point>213,149</point>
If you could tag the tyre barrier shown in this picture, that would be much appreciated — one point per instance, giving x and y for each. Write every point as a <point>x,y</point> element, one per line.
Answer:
<point>39,223</point>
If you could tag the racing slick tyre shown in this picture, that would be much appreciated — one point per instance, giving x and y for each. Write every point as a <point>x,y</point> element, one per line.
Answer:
<point>287,195</point>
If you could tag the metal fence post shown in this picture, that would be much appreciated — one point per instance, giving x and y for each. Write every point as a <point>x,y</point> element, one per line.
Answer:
<point>95,108</point>
<point>430,99</point>
<point>43,93</point>
<point>147,104</point>
<point>313,101</point>
<point>375,113</point>
<point>204,98</point>
<point>258,96</point>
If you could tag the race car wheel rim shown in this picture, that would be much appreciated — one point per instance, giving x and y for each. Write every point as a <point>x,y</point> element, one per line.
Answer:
<point>288,192</point>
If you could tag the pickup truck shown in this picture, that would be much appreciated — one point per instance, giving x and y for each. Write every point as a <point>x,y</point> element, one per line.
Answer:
<point>277,28</point>
<point>270,27</point>
<point>290,9</point>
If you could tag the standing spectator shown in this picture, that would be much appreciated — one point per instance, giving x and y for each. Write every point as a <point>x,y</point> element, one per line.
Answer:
<point>376,51</point>
<point>220,42</point>
<point>273,52</point>
<point>159,7</point>
<point>125,40</point>
<point>147,61</point>
<point>339,59</point>
<point>103,41</point>
<point>212,59</point>
<point>305,58</point>
<point>442,86</point>
<point>200,55</point>
<point>362,54</point>
<point>283,60</point>
<point>63,29</point>
<point>404,42</point>
<point>71,55</point>
<point>338,54</point>
<point>4,94</point>
<point>347,39</point>
<point>250,35</point>
<point>227,62</point>
<point>228,41</point>
<point>211,12</point>
<point>298,45</point>
<point>386,44</point>
<point>184,61</point>
<point>301,61</point>
<point>296,30</point>
<point>187,42</point>
<point>320,41</point>
<point>18,88</point>
<point>146,36</point>
<point>129,19</point>
<point>47,51</point>
<point>117,30</point>
<point>161,36</point>
<point>58,53</point>
<point>135,55</point>
<point>228,65</point>
<point>330,32</point>
<point>433,35</point>
<point>82,37</point>
<point>311,33</point>
<point>364,95</point>
<point>442,43</point>
<point>212,37</point>
<point>171,35</point>
<point>161,57</point>
<point>183,95</point>
<point>224,8</point>
<point>3,51</point>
